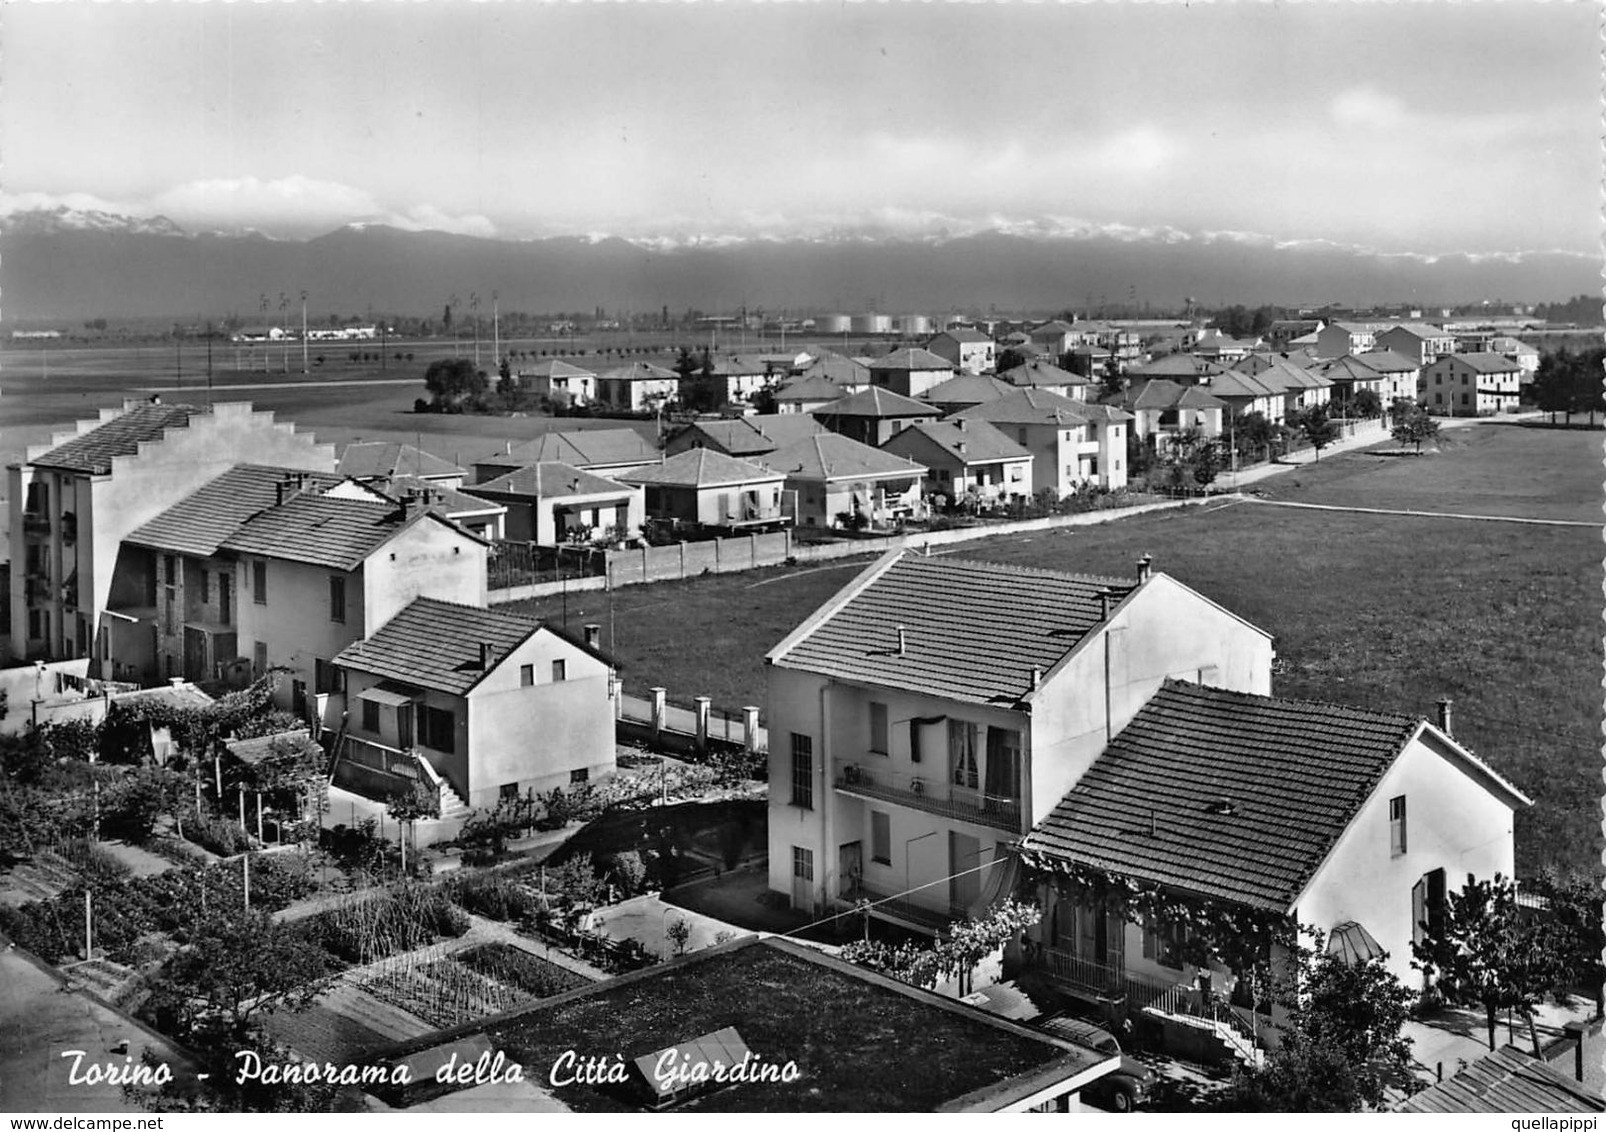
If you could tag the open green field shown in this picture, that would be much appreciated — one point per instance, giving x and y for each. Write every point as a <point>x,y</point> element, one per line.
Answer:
<point>1384,611</point>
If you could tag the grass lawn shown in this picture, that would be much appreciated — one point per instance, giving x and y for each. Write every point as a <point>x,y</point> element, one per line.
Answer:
<point>1384,611</point>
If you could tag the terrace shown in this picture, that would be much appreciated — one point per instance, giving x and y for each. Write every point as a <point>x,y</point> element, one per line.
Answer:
<point>930,794</point>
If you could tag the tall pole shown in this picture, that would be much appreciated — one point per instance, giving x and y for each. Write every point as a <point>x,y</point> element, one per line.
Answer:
<point>496,330</point>
<point>474,311</point>
<point>304,367</point>
<point>89,935</point>
<point>284,305</point>
<point>245,872</point>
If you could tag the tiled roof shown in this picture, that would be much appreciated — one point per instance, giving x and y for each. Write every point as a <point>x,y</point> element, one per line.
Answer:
<point>1506,1080</point>
<point>810,387</point>
<point>836,367</point>
<point>984,443</point>
<point>379,459</point>
<point>973,631</point>
<point>553,367</point>
<point>1293,772</point>
<point>1420,330</point>
<point>254,750</point>
<point>639,371</point>
<point>1389,361</point>
<point>967,389</point>
<point>754,435</point>
<point>1039,372</point>
<point>583,448</point>
<point>912,357</point>
<point>1158,393</point>
<point>200,522</point>
<point>1178,365</point>
<point>877,402</point>
<point>448,501</point>
<point>436,644</point>
<point>701,467</point>
<point>93,451</point>
<point>829,456</point>
<point>337,533</point>
<point>1231,383</point>
<point>1052,329</point>
<point>1039,406</point>
<point>962,334</point>
<point>1487,363</point>
<point>737,365</point>
<point>551,479</point>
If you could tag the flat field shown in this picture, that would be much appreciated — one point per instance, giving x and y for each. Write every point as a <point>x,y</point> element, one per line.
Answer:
<point>1384,611</point>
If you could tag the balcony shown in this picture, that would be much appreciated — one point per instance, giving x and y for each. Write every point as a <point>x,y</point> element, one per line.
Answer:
<point>902,910</point>
<point>931,793</point>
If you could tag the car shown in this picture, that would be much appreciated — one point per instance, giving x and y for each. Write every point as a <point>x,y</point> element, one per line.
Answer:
<point>1127,1087</point>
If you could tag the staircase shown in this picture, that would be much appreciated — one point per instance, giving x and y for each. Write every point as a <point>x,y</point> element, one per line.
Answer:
<point>453,808</point>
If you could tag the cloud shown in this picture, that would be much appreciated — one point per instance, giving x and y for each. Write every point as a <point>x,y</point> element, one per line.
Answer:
<point>76,202</point>
<point>428,218</point>
<point>1367,108</point>
<point>288,204</point>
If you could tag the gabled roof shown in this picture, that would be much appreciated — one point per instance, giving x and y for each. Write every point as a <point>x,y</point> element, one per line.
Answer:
<point>93,452</point>
<point>1389,361</point>
<point>701,467</point>
<point>1353,367</point>
<point>829,456</point>
<point>1486,363</point>
<point>755,435</point>
<point>1231,383</point>
<point>1506,1080</point>
<point>877,402</point>
<point>983,443</point>
<point>1283,375</point>
<point>553,367</point>
<point>961,334</point>
<point>1419,330</point>
<point>639,371</point>
<point>967,389</point>
<point>912,358</point>
<point>973,631</point>
<point>436,644</point>
<point>810,387</point>
<point>370,459</point>
<point>200,522</point>
<point>836,367</point>
<point>1039,372</point>
<point>737,365</point>
<point>1032,406</point>
<point>448,501</point>
<point>1295,774</point>
<point>1054,328</point>
<point>584,448</point>
<point>1158,393</point>
<point>1178,365</point>
<point>338,533</point>
<point>550,479</point>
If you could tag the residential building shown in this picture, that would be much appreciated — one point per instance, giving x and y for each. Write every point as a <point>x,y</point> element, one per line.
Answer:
<point>1160,409</point>
<point>75,499</point>
<point>966,460</point>
<point>1071,442</point>
<point>373,460</point>
<point>966,390</point>
<point>606,451</point>
<point>1417,341</point>
<point>1056,338</point>
<point>966,350</point>
<point>935,710</point>
<point>849,374</point>
<point>563,382</point>
<point>1245,394</point>
<point>1042,374</point>
<point>1183,367</point>
<point>744,437</point>
<point>744,376</point>
<point>484,518</point>
<point>1465,385</point>
<point>555,504</point>
<point>639,387</point>
<point>1214,346</point>
<point>1339,338</point>
<point>1387,373</point>
<point>1235,803</point>
<point>840,482</point>
<point>1283,331</point>
<point>808,393</point>
<point>479,704</point>
<point>1302,387</point>
<point>703,490</point>
<point>1506,1080</point>
<point>816,1034</point>
<point>874,416</point>
<point>1526,357</point>
<point>910,371</point>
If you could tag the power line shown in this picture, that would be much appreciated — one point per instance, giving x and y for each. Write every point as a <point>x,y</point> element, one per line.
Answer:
<point>860,910</point>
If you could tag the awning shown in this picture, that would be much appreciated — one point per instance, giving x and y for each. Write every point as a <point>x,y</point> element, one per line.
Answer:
<point>1353,944</point>
<point>391,695</point>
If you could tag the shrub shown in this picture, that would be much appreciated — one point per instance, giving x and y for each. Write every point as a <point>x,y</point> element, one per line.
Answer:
<point>221,836</point>
<point>628,871</point>
<point>494,897</point>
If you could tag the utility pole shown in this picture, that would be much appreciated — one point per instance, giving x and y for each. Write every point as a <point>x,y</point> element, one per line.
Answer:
<point>474,310</point>
<point>304,367</point>
<point>496,330</point>
<point>284,305</point>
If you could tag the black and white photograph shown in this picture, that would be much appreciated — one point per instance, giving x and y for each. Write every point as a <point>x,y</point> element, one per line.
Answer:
<point>783,557</point>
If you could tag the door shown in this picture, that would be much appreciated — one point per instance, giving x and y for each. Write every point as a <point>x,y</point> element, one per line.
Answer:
<point>404,726</point>
<point>850,868</point>
<point>964,885</point>
<point>802,878</point>
<point>225,598</point>
<point>194,653</point>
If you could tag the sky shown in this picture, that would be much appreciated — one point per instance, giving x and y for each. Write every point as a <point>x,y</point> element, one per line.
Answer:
<point>1412,127</point>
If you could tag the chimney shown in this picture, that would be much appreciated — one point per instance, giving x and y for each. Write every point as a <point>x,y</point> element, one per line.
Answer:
<point>959,447</point>
<point>593,636</point>
<point>1444,715</point>
<point>1037,676</point>
<point>961,424</point>
<point>1104,604</point>
<point>1143,568</point>
<point>486,653</point>
<point>902,644</point>
<point>278,494</point>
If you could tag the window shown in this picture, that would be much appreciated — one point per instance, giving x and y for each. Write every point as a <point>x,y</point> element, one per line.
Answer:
<point>583,774</point>
<point>206,587</point>
<point>337,598</point>
<point>802,863</point>
<point>878,729</point>
<point>1397,826</point>
<point>370,717</point>
<point>225,603</point>
<point>437,728</point>
<point>526,675</point>
<point>880,837</point>
<point>508,792</point>
<point>560,671</point>
<point>36,624</point>
<point>962,755</point>
<point>802,771</point>
<point>169,569</point>
<point>325,676</point>
<point>914,740</point>
<point>259,582</point>
<point>259,658</point>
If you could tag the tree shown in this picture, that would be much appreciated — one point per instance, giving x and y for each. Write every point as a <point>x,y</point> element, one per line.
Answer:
<point>1413,423</point>
<point>1314,424</point>
<point>1366,403</point>
<point>1482,952</point>
<point>1010,357</point>
<point>1553,383</point>
<point>454,383</point>
<point>678,934</point>
<point>701,390</point>
<point>1571,924</point>
<point>1341,1044</point>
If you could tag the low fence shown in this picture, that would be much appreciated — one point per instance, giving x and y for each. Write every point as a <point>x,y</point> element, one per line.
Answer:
<point>699,728</point>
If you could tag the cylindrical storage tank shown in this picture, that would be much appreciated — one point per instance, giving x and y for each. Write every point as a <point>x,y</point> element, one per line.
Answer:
<point>915,325</point>
<point>833,324</point>
<point>864,324</point>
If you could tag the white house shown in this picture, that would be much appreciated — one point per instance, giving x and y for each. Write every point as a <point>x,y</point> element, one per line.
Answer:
<point>1071,442</point>
<point>1466,385</point>
<point>968,351</point>
<point>1340,338</point>
<point>966,459</point>
<point>935,709</point>
<point>1418,341</point>
<point>638,387</point>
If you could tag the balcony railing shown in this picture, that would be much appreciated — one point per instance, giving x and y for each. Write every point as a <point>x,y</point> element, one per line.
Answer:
<point>932,793</point>
<point>393,764</point>
<point>902,909</point>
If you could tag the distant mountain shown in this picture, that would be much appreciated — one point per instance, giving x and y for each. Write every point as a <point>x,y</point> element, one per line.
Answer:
<point>74,265</point>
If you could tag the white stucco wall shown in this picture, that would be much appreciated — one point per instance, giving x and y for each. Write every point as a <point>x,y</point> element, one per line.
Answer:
<point>428,559</point>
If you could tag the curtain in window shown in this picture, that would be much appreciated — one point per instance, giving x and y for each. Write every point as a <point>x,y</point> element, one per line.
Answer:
<point>1003,763</point>
<point>962,754</point>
